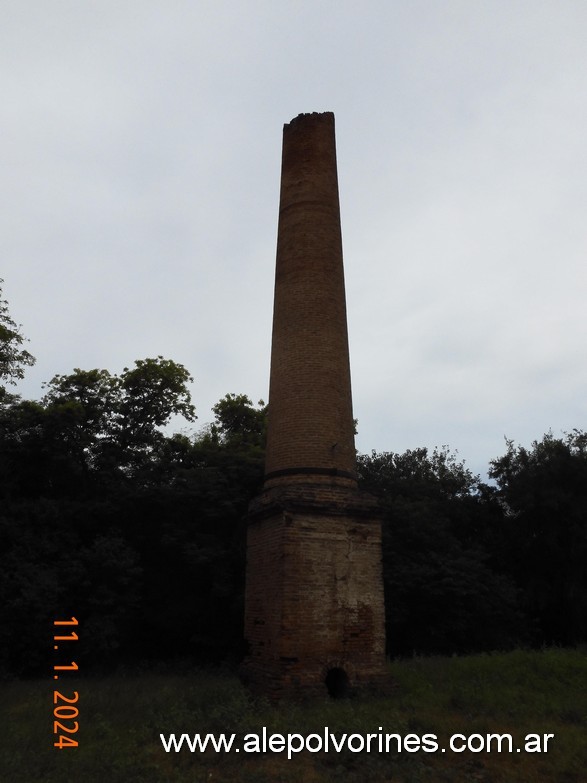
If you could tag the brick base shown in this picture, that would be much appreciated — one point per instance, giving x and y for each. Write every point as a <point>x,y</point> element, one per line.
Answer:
<point>314,594</point>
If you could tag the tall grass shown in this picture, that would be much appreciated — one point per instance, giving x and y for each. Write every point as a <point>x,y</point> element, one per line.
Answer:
<point>121,718</point>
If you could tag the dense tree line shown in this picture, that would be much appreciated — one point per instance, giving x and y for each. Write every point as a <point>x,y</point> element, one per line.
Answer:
<point>140,534</point>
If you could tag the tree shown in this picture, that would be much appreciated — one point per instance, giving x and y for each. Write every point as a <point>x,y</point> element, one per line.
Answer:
<point>111,422</point>
<point>543,491</point>
<point>238,422</point>
<point>92,428</point>
<point>418,473</point>
<point>150,393</point>
<point>444,591</point>
<point>13,358</point>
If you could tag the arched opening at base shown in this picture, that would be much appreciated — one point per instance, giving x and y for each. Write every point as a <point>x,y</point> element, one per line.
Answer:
<point>337,683</point>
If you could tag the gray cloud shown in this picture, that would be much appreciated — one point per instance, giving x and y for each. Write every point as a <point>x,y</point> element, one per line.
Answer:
<point>141,174</point>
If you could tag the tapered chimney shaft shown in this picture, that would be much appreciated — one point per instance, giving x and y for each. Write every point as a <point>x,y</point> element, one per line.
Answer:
<point>311,428</point>
<point>314,611</point>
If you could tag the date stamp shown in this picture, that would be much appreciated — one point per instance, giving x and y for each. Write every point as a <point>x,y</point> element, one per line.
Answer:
<point>64,711</point>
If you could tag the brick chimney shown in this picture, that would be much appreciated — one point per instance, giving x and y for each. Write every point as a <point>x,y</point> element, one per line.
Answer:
<point>311,429</point>
<point>314,612</point>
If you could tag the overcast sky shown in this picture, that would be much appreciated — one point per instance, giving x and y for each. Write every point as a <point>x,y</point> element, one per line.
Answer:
<point>141,146</point>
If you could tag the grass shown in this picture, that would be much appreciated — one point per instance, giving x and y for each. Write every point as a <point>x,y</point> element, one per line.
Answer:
<point>121,718</point>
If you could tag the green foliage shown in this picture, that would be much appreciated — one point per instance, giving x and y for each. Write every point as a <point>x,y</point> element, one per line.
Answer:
<point>544,493</point>
<point>121,719</point>
<point>146,530</point>
<point>61,558</point>
<point>154,390</point>
<point>443,592</point>
<point>91,430</point>
<point>112,422</point>
<point>13,357</point>
<point>238,422</point>
<point>418,474</point>
<point>234,445</point>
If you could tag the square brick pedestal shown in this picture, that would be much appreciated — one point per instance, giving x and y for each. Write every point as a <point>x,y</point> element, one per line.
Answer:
<point>314,615</point>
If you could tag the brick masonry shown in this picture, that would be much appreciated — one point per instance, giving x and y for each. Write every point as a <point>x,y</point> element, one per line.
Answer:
<point>310,407</point>
<point>314,590</point>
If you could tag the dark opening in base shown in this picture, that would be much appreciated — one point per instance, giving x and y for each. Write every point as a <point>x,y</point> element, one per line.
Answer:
<point>337,683</point>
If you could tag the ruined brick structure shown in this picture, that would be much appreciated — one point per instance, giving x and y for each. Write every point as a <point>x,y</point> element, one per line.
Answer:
<point>314,614</point>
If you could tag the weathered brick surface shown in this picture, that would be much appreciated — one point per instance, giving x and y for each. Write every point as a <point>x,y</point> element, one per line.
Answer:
<point>310,407</point>
<point>314,601</point>
<point>314,589</point>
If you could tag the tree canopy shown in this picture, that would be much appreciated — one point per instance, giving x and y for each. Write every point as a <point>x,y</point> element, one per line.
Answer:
<point>543,491</point>
<point>140,533</point>
<point>13,357</point>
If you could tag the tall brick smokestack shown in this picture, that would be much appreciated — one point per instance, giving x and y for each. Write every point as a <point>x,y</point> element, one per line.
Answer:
<point>311,430</point>
<point>314,613</point>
